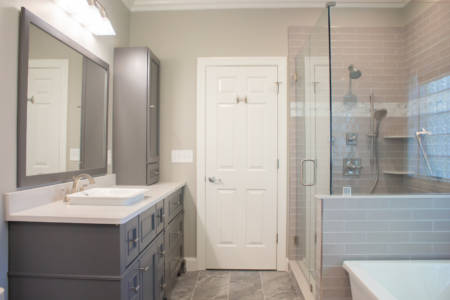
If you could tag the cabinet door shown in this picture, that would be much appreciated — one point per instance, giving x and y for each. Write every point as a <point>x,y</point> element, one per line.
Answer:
<point>147,224</point>
<point>131,284</point>
<point>153,111</point>
<point>131,240</point>
<point>147,269</point>
<point>160,286</point>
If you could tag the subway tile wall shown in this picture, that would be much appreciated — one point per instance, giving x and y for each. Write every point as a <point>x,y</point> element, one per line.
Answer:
<point>380,227</point>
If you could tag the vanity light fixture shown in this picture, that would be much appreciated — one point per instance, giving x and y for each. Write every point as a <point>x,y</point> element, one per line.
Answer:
<point>89,13</point>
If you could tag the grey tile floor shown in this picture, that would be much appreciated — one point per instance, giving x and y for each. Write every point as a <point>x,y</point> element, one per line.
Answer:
<point>235,285</point>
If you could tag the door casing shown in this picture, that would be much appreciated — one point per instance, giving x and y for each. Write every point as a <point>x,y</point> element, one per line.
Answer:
<point>202,65</point>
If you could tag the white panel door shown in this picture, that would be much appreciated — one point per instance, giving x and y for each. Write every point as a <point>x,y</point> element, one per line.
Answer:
<point>241,167</point>
<point>46,116</point>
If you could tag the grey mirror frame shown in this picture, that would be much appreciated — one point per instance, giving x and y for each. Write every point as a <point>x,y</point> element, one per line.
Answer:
<point>24,181</point>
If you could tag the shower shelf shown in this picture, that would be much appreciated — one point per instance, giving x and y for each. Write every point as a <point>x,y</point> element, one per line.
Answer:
<point>396,137</point>
<point>398,173</point>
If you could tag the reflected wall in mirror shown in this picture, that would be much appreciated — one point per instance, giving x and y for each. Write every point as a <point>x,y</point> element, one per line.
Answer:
<point>63,103</point>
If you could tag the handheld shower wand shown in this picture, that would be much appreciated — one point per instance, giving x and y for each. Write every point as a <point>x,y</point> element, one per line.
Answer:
<point>419,135</point>
<point>378,116</point>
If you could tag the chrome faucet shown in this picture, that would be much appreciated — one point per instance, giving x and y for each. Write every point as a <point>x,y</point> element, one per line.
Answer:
<point>77,179</point>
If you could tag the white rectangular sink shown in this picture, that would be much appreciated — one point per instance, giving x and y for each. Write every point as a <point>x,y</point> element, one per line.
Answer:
<point>107,196</point>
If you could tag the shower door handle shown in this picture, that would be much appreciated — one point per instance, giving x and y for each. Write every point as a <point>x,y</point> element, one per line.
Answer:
<point>302,169</point>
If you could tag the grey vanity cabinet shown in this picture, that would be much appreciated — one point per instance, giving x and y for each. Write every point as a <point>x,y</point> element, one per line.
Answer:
<point>137,260</point>
<point>136,116</point>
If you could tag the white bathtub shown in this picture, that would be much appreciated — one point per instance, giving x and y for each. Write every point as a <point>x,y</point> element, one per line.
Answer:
<point>399,280</point>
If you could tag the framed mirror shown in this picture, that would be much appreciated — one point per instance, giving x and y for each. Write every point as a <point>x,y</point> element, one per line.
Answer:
<point>62,106</point>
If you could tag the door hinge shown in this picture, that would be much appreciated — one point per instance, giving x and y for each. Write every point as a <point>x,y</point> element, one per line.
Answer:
<point>276,238</point>
<point>315,238</point>
<point>311,288</point>
<point>278,163</point>
<point>278,86</point>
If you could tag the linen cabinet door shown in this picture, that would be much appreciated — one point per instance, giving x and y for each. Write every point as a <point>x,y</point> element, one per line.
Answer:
<point>153,111</point>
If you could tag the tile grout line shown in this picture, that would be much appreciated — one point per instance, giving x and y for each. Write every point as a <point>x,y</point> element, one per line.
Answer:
<point>229,285</point>
<point>195,286</point>
<point>262,285</point>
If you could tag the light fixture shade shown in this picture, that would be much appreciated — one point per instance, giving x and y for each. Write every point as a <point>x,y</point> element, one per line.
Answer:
<point>89,13</point>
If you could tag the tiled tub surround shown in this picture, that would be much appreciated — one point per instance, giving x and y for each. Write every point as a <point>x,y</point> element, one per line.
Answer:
<point>379,228</point>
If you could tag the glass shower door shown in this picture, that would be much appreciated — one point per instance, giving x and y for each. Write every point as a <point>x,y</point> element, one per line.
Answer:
<point>313,142</point>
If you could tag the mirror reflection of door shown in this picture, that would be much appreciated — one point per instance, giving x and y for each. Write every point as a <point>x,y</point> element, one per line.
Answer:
<point>47,116</point>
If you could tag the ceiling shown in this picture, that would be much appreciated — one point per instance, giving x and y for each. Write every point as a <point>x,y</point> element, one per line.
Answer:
<point>149,5</point>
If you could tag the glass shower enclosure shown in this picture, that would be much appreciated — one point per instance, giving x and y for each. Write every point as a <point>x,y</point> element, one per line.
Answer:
<point>311,85</point>
<point>370,111</point>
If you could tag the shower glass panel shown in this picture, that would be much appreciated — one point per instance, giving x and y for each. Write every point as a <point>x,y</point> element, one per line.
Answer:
<point>311,83</point>
<point>390,73</point>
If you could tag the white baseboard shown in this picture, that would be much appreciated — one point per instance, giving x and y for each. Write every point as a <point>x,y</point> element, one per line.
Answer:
<point>301,281</point>
<point>191,264</point>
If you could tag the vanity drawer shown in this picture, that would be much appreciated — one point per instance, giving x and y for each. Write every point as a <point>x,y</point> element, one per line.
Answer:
<point>174,204</point>
<point>148,226</point>
<point>130,240</point>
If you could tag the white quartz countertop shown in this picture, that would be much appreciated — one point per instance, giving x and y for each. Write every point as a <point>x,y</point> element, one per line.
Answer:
<point>62,212</point>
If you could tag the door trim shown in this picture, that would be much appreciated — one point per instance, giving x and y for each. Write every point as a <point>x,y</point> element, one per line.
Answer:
<point>202,64</point>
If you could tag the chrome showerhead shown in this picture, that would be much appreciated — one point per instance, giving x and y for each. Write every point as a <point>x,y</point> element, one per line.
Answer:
<point>354,72</point>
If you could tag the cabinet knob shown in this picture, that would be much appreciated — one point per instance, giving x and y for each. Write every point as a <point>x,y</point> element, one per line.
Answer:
<point>163,285</point>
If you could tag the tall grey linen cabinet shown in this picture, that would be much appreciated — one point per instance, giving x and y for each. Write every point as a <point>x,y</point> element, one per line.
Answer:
<point>136,116</point>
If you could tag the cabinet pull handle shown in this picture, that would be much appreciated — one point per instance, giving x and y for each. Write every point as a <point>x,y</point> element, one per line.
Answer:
<point>136,288</point>
<point>136,240</point>
<point>144,269</point>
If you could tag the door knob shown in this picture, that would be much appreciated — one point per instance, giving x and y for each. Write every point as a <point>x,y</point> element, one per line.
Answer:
<point>214,180</point>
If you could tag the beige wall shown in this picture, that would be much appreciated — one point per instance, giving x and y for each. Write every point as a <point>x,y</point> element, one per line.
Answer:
<point>178,38</point>
<point>9,34</point>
